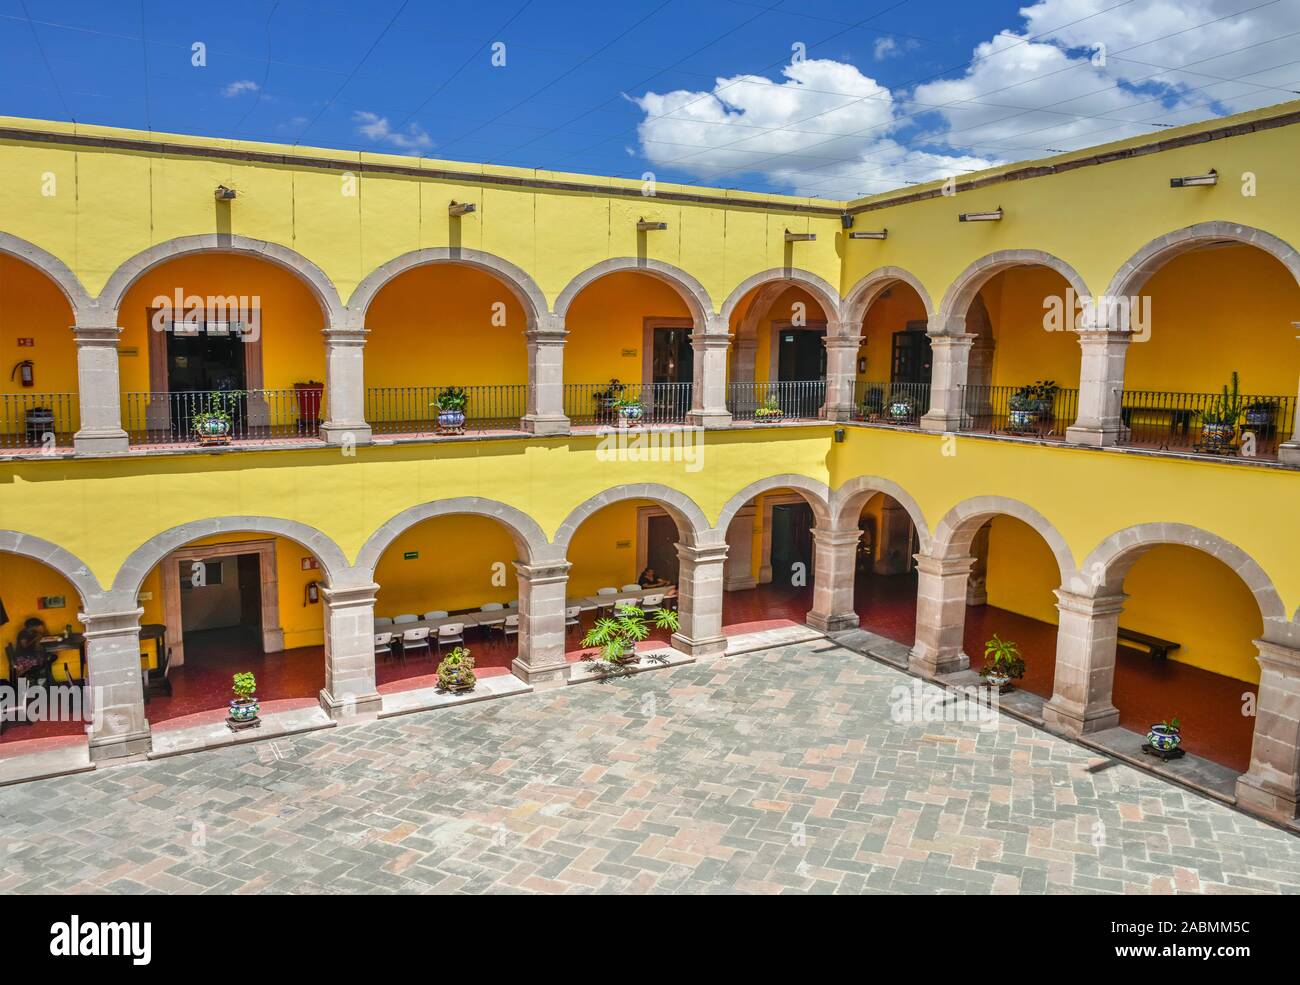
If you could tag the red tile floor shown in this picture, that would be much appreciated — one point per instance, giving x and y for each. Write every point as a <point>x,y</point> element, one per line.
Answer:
<point>1145,691</point>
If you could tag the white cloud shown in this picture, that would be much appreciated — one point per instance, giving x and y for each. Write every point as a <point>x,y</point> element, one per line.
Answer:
<point>239,88</point>
<point>374,127</point>
<point>888,46</point>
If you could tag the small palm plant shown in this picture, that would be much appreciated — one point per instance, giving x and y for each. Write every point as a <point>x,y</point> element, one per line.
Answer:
<point>618,635</point>
<point>1002,660</point>
<point>456,671</point>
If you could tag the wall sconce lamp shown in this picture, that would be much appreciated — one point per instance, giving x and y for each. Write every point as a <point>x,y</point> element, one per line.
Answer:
<point>1192,181</point>
<point>647,225</point>
<point>224,194</point>
<point>839,435</point>
<point>799,237</point>
<point>870,234</point>
<point>459,209</point>
<point>994,216</point>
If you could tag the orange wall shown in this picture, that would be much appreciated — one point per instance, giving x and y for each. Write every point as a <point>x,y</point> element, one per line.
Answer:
<point>22,582</point>
<point>463,562</point>
<point>1026,351</point>
<point>782,310</point>
<point>886,316</point>
<point>606,325</point>
<point>31,306</point>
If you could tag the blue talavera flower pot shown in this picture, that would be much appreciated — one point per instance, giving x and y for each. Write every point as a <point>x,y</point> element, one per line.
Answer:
<point>451,420</point>
<point>1164,738</point>
<point>244,711</point>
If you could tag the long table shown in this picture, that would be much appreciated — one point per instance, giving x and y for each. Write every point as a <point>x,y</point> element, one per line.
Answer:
<point>472,620</point>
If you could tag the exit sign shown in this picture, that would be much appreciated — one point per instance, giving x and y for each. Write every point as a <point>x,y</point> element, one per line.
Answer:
<point>630,352</point>
<point>26,343</point>
<point>411,556</point>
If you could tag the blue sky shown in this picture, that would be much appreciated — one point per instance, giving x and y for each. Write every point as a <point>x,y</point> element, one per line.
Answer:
<point>815,97</point>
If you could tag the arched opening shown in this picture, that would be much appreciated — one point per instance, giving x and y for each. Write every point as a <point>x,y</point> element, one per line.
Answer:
<point>1219,310</point>
<point>894,361</point>
<point>778,364</point>
<point>219,347</point>
<point>39,406</point>
<point>884,569</point>
<point>43,701</point>
<point>233,602</point>
<point>436,329</point>
<point>628,356</point>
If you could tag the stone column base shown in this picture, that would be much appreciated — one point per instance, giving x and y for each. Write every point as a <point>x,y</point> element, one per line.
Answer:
<point>545,423</point>
<point>1272,802</point>
<point>937,420</point>
<point>1095,437</point>
<point>1066,721</point>
<point>542,677</point>
<point>344,434</point>
<point>120,746</point>
<point>836,622</point>
<point>928,664</point>
<point>708,419</point>
<point>108,442</point>
<point>350,706</point>
<point>1289,453</point>
<point>739,584</point>
<point>839,412</point>
<point>708,647</point>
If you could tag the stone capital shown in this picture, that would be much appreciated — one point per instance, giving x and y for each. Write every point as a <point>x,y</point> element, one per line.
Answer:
<point>344,335</point>
<point>1089,605</point>
<point>702,553</point>
<point>543,573</point>
<point>853,342</point>
<point>943,566</point>
<point>101,625</point>
<point>1280,659</point>
<point>87,336</point>
<point>349,596</point>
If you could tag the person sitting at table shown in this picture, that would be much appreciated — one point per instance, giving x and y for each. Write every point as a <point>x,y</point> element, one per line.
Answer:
<point>29,656</point>
<point>649,579</point>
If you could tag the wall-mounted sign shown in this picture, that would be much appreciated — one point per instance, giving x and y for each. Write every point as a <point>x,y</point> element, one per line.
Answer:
<point>630,352</point>
<point>620,544</point>
<point>309,564</point>
<point>26,343</point>
<point>411,556</point>
<point>128,350</point>
<point>52,602</point>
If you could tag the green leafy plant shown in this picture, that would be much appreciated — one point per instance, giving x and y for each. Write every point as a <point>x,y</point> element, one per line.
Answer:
<point>770,408</point>
<point>1224,409</point>
<point>456,671</point>
<point>219,411</point>
<point>1002,657</point>
<point>1173,724</point>
<point>626,402</point>
<point>901,399</point>
<point>244,685</point>
<point>618,635</point>
<point>452,398</point>
<point>1034,396</point>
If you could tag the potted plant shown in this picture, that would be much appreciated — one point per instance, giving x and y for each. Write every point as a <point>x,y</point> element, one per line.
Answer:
<point>310,396</point>
<point>214,424</point>
<point>629,410</point>
<point>1002,662</point>
<point>245,706</point>
<point>1165,737</point>
<point>456,671</point>
<point>605,399</point>
<point>1030,404</point>
<point>769,412</point>
<point>451,410</point>
<point>618,635</point>
<point>901,406</point>
<point>1219,418</point>
<point>1260,414</point>
<point>873,402</point>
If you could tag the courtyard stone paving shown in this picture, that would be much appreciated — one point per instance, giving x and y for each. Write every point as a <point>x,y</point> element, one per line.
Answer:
<point>775,771</point>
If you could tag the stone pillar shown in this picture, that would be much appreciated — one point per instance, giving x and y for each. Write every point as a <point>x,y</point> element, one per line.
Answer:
<point>1289,452</point>
<point>545,413</point>
<point>345,386</point>
<point>835,565</point>
<point>709,393</point>
<point>349,652</point>
<point>842,344</point>
<point>699,599</point>
<point>542,588</point>
<point>744,368</point>
<point>739,574</point>
<point>940,615</point>
<point>1272,784</point>
<point>1085,663</point>
<point>951,355</point>
<point>1101,386</point>
<point>893,539</point>
<point>99,391</point>
<point>115,684</point>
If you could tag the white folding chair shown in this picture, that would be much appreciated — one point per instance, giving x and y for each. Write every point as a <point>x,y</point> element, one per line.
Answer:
<point>607,591</point>
<point>487,625</point>
<point>450,634</point>
<point>625,603</point>
<point>435,614</point>
<point>382,621</point>
<point>416,639</point>
<point>510,627</point>
<point>631,588</point>
<point>651,604</point>
<point>605,599</point>
<point>404,618</point>
<point>573,618</point>
<point>384,645</point>
<point>512,604</point>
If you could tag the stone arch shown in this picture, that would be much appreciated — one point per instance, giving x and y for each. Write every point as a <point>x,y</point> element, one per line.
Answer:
<point>130,271</point>
<point>57,559</point>
<point>826,295</point>
<point>866,290</point>
<point>527,535</point>
<point>52,267</point>
<point>1104,570</point>
<point>145,558</point>
<point>954,533</point>
<point>817,494</point>
<point>519,283</point>
<point>847,502</point>
<point>1137,269</point>
<point>692,525</point>
<point>957,299</point>
<point>691,290</point>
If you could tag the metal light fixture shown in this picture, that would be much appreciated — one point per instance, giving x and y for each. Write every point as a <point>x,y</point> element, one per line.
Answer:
<point>994,216</point>
<point>224,194</point>
<point>1194,180</point>
<point>647,225</point>
<point>799,237</point>
<point>461,208</point>
<point>870,234</point>
<point>846,220</point>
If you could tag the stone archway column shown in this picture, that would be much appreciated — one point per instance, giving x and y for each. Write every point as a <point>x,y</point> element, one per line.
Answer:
<point>545,413</point>
<point>940,615</point>
<point>345,386</point>
<point>542,591</point>
<point>99,391</point>
<point>950,364</point>
<point>1272,784</point>
<point>744,368</point>
<point>115,684</point>
<point>350,688</point>
<point>1101,387</point>
<point>709,393</point>
<point>842,344</point>
<point>1086,638</point>
<point>699,599</point>
<point>835,560</point>
<point>739,575</point>
<point>1289,452</point>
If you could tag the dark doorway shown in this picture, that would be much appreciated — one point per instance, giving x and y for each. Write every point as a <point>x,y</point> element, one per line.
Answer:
<point>911,357</point>
<point>792,544</point>
<point>661,547</point>
<point>801,355</point>
<point>673,359</point>
<point>221,604</point>
<point>204,361</point>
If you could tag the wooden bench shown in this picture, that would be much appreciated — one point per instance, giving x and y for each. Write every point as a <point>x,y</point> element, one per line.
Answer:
<point>1153,646</point>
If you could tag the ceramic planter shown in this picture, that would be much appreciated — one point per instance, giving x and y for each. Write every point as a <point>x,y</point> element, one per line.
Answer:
<point>1217,437</point>
<point>1164,738</point>
<point>629,414</point>
<point>767,418</point>
<point>900,410</point>
<point>451,421</point>
<point>1023,419</point>
<point>244,709</point>
<point>213,430</point>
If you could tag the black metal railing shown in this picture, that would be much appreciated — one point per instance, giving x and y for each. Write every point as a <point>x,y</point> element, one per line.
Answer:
<point>771,403</point>
<point>588,404</point>
<point>1171,420</point>
<point>1010,410</point>
<point>903,404</point>
<point>217,417</point>
<point>37,421</point>
<point>414,410</point>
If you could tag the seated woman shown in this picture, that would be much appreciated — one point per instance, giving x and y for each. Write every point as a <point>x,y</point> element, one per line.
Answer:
<point>649,579</point>
<point>29,658</point>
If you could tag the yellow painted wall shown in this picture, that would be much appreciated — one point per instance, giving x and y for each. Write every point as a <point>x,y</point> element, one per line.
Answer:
<point>22,582</point>
<point>606,324</point>
<point>604,549</point>
<point>783,309</point>
<point>1025,351</point>
<point>888,314</point>
<point>1022,571</point>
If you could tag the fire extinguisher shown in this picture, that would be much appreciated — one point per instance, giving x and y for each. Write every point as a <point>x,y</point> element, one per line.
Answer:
<point>25,371</point>
<point>312,593</point>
